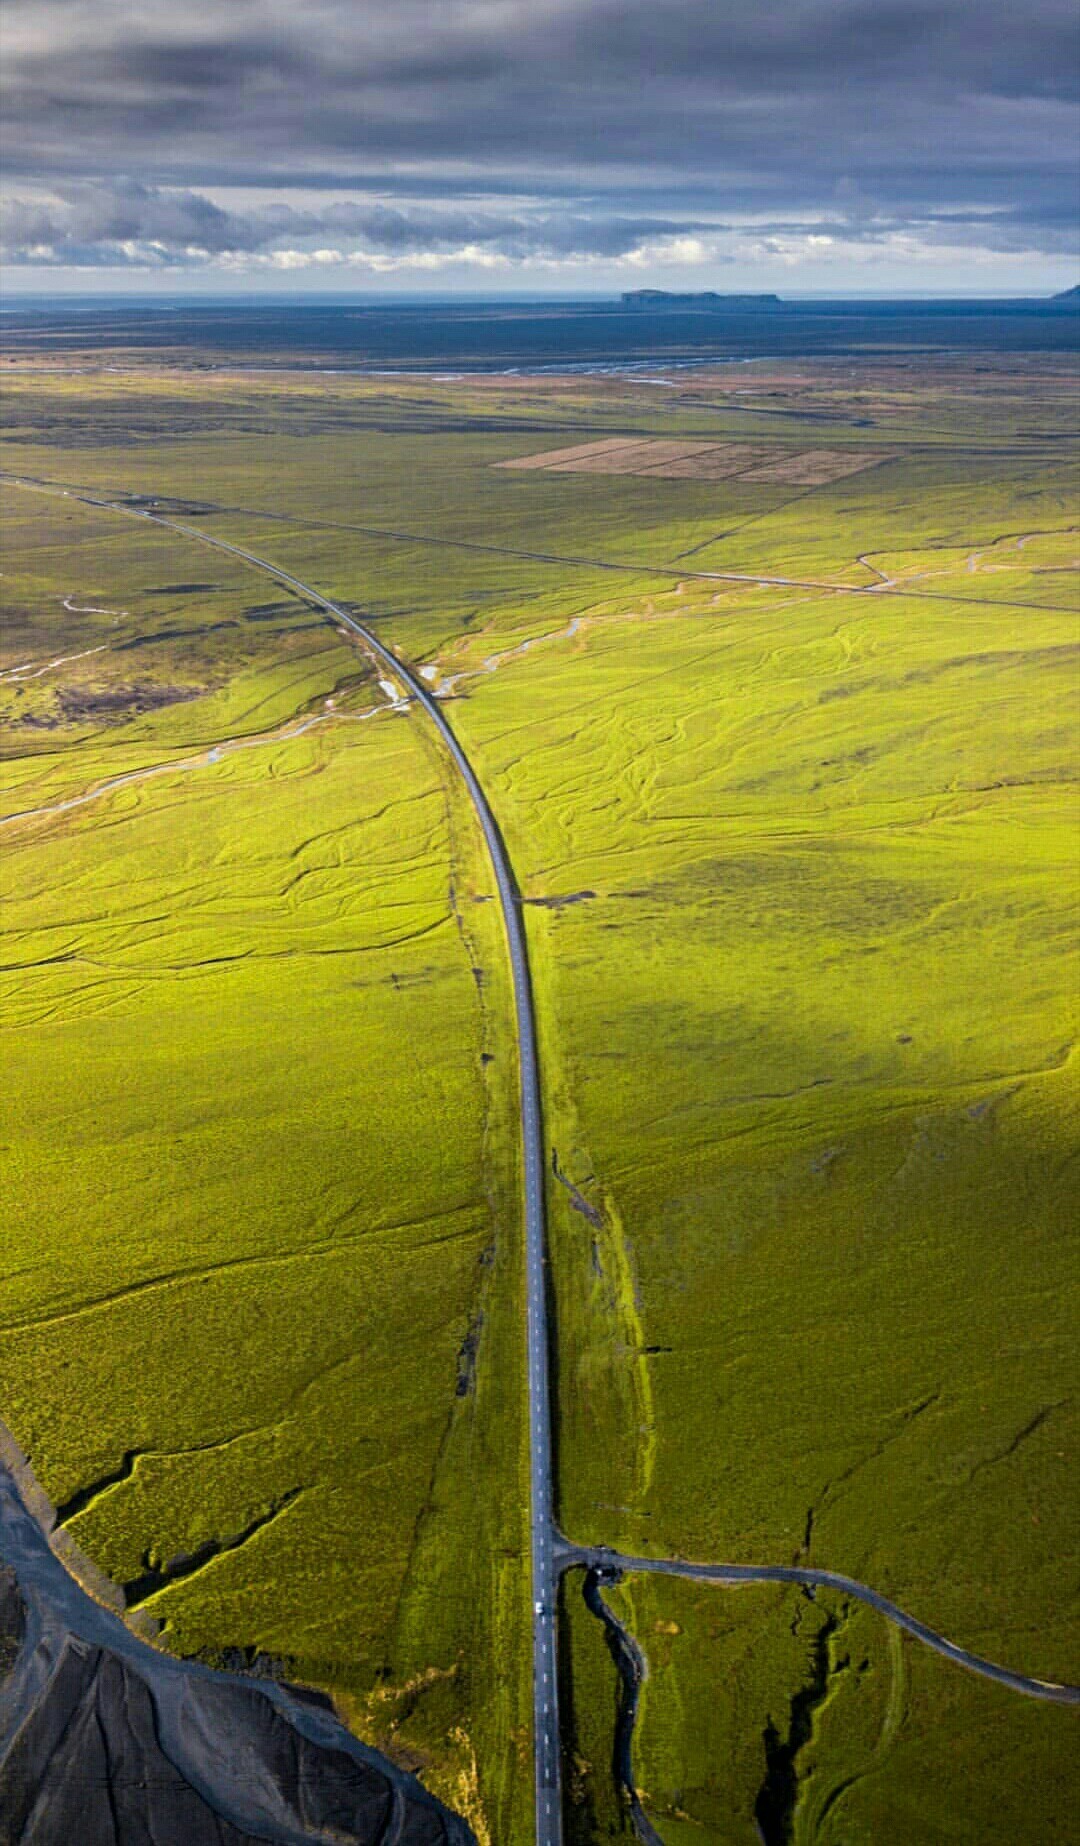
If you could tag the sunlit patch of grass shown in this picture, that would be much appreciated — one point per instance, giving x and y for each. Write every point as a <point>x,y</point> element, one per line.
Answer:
<point>808,1036</point>
<point>254,1186</point>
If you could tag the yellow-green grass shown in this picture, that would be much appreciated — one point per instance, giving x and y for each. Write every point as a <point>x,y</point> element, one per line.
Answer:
<point>118,653</point>
<point>820,1710</point>
<point>812,1034</point>
<point>809,1033</point>
<point>419,457</point>
<point>260,1275</point>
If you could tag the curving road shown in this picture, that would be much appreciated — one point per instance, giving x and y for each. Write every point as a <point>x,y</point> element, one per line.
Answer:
<point>604,1561</point>
<point>547,1764</point>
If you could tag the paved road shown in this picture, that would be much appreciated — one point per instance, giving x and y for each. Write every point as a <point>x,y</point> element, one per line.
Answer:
<point>602,1559</point>
<point>542,1522</point>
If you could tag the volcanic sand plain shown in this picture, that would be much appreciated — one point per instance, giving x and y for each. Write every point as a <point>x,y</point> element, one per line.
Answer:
<point>796,861</point>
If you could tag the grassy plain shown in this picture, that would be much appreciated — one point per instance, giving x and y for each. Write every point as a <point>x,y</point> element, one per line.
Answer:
<point>256,1296</point>
<point>796,860</point>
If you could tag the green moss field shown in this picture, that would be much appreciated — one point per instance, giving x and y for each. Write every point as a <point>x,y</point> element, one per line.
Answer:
<point>787,777</point>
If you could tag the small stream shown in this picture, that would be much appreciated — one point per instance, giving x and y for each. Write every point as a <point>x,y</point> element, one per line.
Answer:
<point>632,1668</point>
<point>773,1810</point>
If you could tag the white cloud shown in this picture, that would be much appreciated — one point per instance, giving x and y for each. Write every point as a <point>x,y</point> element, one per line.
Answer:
<point>678,252</point>
<point>129,227</point>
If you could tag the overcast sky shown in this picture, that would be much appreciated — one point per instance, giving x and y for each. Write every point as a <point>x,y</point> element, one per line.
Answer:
<point>569,146</point>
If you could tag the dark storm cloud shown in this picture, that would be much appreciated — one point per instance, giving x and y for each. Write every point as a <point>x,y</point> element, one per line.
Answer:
<point>870,111</point>
<point>125,221</point>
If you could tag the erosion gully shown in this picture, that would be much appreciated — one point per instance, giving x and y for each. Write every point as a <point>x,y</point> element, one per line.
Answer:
<point>185,1755</point>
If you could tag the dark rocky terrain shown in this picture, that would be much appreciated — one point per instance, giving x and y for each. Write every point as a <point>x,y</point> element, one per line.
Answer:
<point>96,1752</point>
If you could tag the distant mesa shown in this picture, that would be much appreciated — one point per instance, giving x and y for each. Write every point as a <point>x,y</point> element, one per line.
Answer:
<point>1068,298</point>
<point>707,298</point>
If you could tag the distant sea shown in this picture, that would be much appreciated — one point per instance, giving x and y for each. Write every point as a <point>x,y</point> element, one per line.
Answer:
<point>506,336</point>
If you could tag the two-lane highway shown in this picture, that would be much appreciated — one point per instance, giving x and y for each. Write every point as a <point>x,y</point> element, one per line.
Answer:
<point>542,1520</point>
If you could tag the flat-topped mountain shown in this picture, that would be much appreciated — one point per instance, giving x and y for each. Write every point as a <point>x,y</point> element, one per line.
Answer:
<point>707,298</point>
